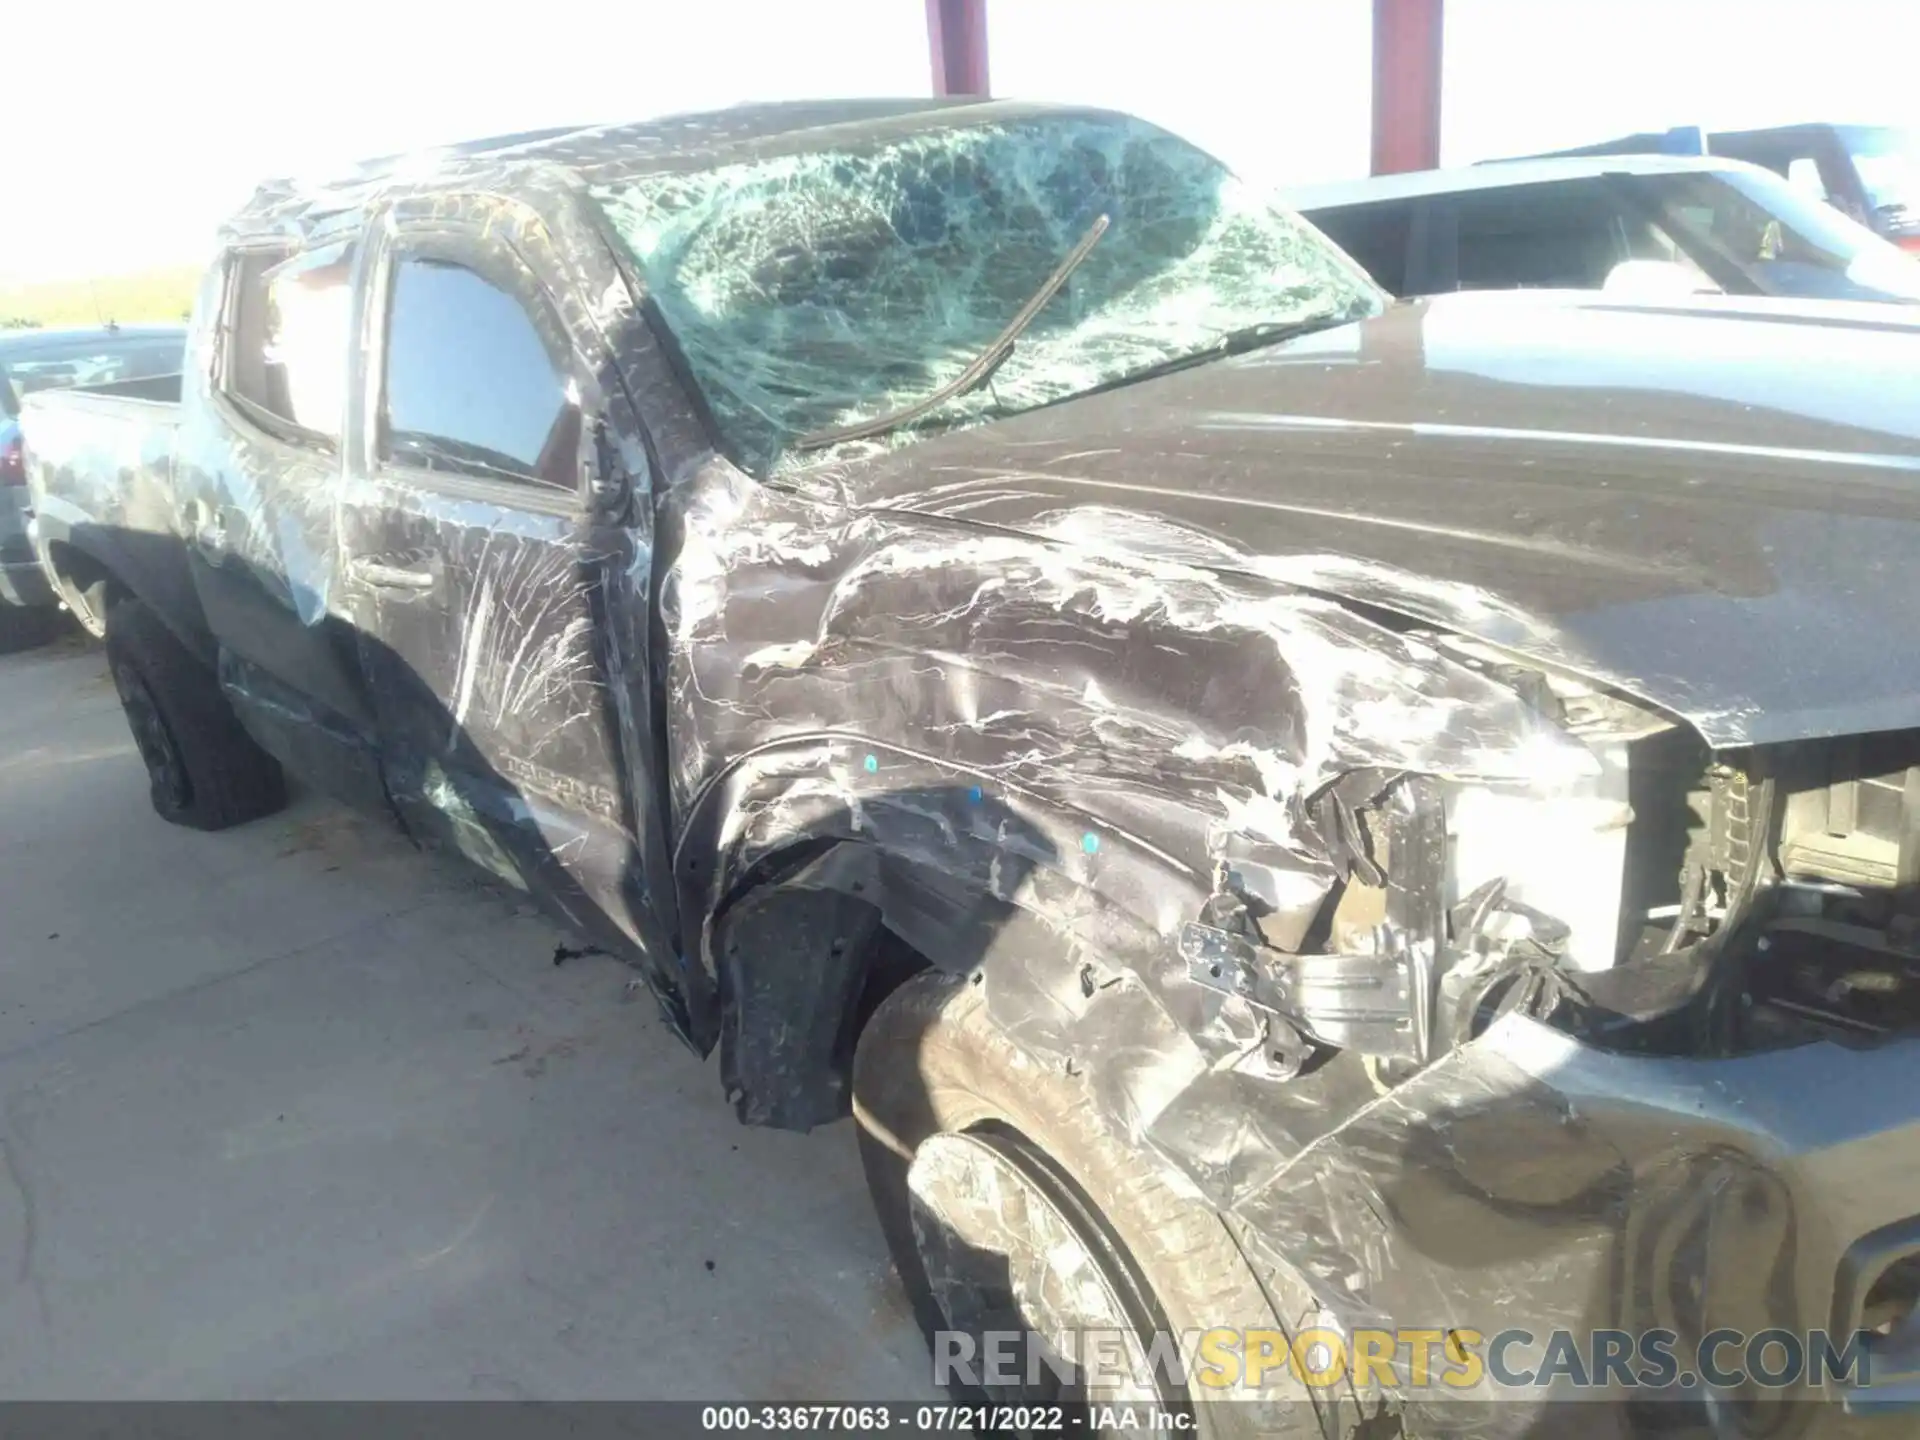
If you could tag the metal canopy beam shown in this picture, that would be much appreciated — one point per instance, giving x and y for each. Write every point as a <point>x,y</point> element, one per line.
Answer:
<point>1406,84</point>
<point>957,42</point>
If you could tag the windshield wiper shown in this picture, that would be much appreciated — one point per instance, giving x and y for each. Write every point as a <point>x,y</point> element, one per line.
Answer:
<point>983,365</point>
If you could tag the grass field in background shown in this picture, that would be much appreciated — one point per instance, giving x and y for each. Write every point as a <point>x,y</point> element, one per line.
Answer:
<point>140,297</point>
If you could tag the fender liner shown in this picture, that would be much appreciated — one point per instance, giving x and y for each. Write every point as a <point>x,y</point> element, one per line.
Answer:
<point>835,880</point>
<point>952,842</point>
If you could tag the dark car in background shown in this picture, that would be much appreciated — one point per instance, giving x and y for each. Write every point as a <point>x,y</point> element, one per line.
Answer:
<point>1648,225</point>
<point>31,360</point>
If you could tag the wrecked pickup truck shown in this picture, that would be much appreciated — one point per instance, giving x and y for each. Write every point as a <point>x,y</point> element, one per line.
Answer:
<point>1279,812</point>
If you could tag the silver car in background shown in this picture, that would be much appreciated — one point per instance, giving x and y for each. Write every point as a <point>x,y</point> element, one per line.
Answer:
<point>1640,225</point>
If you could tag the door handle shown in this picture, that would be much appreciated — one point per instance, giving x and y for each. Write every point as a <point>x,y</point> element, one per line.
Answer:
<point>389,577</point>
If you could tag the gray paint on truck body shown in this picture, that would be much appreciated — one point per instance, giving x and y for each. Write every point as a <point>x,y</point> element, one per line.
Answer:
<point>1046,692</point>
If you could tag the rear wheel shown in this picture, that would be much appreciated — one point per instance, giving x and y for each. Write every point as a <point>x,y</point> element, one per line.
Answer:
<point>203,769</point>
<point>1011,1202</point>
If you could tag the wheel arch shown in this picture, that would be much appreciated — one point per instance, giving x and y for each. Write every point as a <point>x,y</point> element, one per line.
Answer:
<point>85,583</point>
<point>149,567</point>
<point>830,869</point>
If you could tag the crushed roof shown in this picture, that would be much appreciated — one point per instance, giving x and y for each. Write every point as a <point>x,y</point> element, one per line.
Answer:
<point>609,152</point>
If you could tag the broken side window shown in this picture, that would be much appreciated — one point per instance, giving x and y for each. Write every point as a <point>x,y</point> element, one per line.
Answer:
<point>283,357</point>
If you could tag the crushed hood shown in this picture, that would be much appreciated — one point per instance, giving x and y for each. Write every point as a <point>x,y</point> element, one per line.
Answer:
<point>1714,507</point>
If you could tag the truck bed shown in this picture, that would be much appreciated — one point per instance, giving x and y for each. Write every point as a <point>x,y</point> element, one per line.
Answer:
<point>100,462</point>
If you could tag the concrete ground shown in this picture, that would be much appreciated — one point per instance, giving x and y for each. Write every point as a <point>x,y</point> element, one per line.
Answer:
<point>295,1112</point>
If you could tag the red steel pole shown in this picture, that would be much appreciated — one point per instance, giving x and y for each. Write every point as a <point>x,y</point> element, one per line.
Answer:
<point>957,43</point>
<point>1406,84</point>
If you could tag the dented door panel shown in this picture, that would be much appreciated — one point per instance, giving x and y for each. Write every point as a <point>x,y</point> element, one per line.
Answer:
<point>491,575</point>
<point>254,519</point>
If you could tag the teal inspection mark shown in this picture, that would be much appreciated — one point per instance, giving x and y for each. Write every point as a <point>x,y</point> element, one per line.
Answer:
<point>1090,842</point>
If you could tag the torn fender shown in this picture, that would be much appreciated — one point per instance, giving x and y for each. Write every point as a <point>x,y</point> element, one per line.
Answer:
<point>828,664</point>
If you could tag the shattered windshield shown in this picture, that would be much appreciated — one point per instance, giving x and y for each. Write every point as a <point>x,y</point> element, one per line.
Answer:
<point>813,291</point>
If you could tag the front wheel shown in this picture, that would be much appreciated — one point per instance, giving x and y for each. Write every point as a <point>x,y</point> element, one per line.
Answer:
<point>1018,1216</point>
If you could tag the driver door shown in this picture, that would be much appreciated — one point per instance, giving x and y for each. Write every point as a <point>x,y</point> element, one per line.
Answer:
<point>489,567</point>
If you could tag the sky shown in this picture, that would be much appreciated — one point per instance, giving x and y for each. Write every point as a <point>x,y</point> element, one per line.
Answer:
<point>134,128</point>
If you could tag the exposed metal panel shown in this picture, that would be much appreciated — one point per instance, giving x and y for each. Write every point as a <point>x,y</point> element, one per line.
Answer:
<point>1406,84</point>
<point>957,43</point>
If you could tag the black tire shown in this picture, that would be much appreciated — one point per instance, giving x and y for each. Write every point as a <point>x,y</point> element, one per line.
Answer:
<point>932,1061</point>
<point>203,769</point>
<point>22,627</point>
